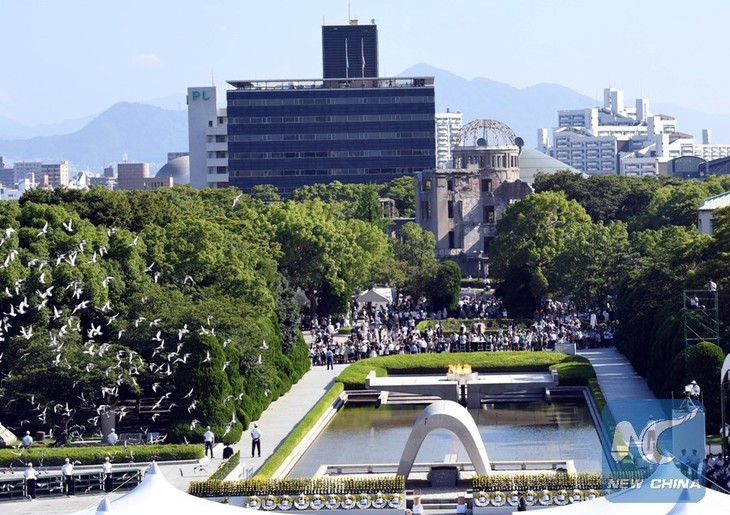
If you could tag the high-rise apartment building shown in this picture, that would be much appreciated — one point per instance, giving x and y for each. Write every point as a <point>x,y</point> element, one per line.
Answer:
<point>27,169</point>
<point>55,174</point>
<point>349,51</point>
<point>448,136</point>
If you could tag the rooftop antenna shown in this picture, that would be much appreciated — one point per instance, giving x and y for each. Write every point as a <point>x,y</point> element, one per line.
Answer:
<point>348,11</point>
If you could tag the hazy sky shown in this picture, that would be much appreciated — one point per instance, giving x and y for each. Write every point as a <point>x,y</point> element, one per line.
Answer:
<point>74,58</point>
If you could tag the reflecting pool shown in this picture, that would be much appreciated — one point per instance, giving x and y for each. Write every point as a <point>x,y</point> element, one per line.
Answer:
<point>513,431</point>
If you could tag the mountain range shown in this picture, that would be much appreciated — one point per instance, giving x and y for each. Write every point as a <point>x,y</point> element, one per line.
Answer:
<point>145,132</point>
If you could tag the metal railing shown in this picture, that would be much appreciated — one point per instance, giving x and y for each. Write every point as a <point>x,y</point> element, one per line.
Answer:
<point>51,484</point>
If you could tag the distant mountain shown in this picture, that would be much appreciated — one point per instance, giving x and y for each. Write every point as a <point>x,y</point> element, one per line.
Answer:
<point>524,110</point>
<point>528,109</point>
<point>10,129</point>
<point>142,132</point>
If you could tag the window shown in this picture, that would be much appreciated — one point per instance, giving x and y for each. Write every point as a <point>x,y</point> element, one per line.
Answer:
<point>452,240</point>
<point>450,208</point>
<point>210,123</point>
<point>450,185</point>
<point>486,185</point>
<point>488,214</point>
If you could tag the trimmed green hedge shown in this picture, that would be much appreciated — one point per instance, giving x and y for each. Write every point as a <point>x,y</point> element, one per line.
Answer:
<point>53,456</point>
<point>226,467</point>
<point>572,370</point>
<point>295,486</point>
<point>304,426</point>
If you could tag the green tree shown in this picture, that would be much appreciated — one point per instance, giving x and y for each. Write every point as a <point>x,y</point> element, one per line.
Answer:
<point>444,287</point>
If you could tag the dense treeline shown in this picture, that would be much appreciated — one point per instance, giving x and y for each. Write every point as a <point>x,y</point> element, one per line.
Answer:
<point>184,299</point>
<point>632,243</point>
<point>181,296</point>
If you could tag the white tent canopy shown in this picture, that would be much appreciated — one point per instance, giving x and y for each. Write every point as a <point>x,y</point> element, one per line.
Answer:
<point>155,495</point>
<point>632,501</point>
<point>377,296</point>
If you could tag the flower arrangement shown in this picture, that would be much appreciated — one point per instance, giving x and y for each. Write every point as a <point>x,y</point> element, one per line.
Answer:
<point>364,501</point>
<point>498,499</point>
<point>396,500</point>
<point>577,496</point>
<point>481,499</point>
<point>530,498</point>
<point>348,501</point>
<point>513,499</point>
<point>546,497</point>
<point>253,502</point>
<point>561,497</point>
<point>333,501</point>
<point>269,503</point>
<point>379,501</point>
<point>286,502</point>
<point>316,502</point>
<point>301,502</point>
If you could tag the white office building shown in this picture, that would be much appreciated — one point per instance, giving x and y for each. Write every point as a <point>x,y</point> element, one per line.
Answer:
<point>207,139</point>
<point>622,140</point>
<point>448,136</point>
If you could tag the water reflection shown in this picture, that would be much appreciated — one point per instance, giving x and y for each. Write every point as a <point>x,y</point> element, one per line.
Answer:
<point>525,431</point>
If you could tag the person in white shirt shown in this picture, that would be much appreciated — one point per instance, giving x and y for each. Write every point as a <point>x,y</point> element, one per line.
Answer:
<point>106,469</point>
<point>209,438</point>
<point>417,506</point>
<point>27,440</point>
<point>30,476</point>
<point>255,440</point>
<point>112,437</point>
<point>67,471</point>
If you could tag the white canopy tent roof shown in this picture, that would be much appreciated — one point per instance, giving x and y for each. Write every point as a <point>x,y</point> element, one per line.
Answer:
<point>633,501</point>
<point>155,495</point>
<point>376,296</point>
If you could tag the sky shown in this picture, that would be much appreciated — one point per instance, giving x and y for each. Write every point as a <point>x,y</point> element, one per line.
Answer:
<point>62,60</point>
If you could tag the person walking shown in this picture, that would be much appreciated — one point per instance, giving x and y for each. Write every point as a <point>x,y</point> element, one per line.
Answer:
<point>30,476</point>
<point>67,471</point>
<point>106,471</point>
<point>209,438</point>
<point>521,502</point>
<point>255,440</point>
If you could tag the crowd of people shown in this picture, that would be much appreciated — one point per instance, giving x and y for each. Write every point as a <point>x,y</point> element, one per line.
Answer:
<point>381,330</point>
<point>717,473</point>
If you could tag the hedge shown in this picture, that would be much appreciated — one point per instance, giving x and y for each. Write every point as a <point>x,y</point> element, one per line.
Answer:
<point>371,484</point>
<point>226,467</point>
<point>572,370</point>
<point>52,456</point>
<point>305,425</point>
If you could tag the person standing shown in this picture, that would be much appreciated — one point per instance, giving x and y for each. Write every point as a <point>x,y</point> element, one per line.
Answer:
<point>417,506</point>
<point>521,502</point>
<point>30,476</point>
<point>106,471</point>
<point>209,438</point>
<point>330,358</point>
<point>112,437</point>
<point>27,440</point>
<point>67,471</point>
<point>255,440</point>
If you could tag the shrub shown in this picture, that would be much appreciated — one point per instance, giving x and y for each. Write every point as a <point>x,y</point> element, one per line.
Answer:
<point>575,370</point>
<point>52,456</point>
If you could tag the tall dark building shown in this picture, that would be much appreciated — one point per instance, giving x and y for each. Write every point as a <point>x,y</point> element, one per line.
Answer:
<point>350,51</point>
<point>295,132</point>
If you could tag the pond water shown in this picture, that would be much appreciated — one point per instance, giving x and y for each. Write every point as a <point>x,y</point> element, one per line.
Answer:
<point>513,431</point>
